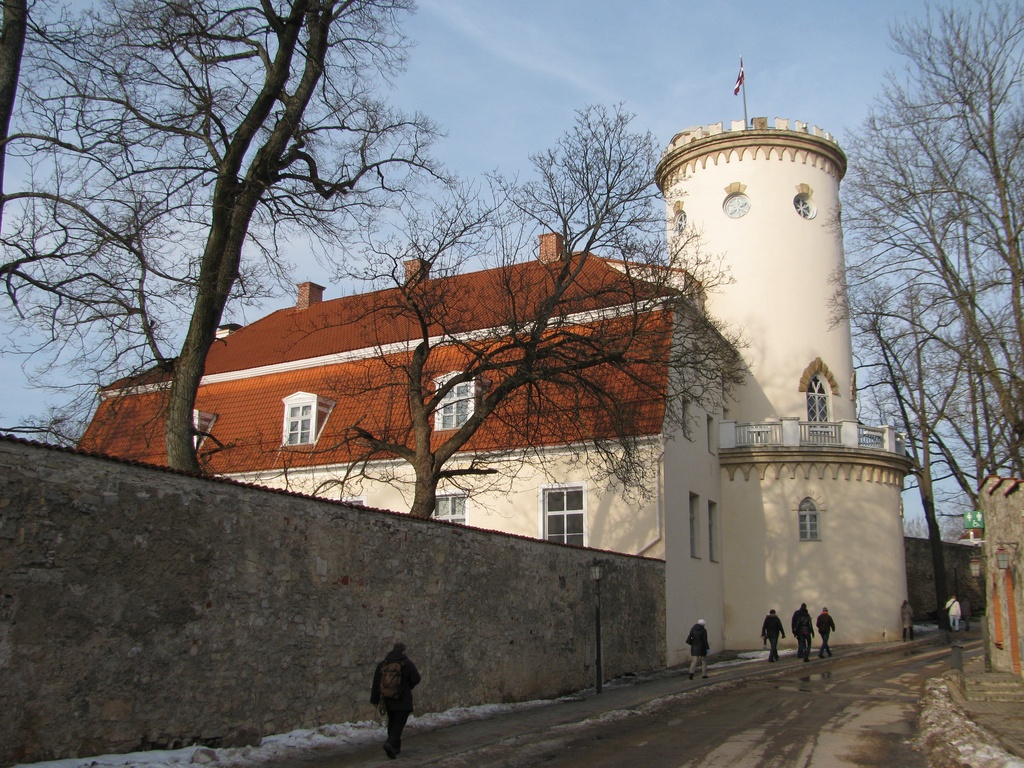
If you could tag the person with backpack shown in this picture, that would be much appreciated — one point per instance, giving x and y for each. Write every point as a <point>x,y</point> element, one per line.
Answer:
<point>393,681</point>
<point>698,640</point>
<point>826,626</point>
<point>803,630</point>
<point>770,631</point>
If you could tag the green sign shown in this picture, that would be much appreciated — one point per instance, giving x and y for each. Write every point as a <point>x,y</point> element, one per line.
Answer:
<point>974,519</point>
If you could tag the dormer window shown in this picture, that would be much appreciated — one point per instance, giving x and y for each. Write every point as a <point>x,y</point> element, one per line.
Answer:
<point>203,423</point>
<point>304,417</point>
<point>457,406</point>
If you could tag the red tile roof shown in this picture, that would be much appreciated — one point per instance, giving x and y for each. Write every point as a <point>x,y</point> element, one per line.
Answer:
<point>371,391</point>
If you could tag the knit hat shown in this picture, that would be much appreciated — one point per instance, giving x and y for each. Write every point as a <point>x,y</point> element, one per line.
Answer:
<point>824,610</point>
<point>399,648</point>
<point>701,622</point>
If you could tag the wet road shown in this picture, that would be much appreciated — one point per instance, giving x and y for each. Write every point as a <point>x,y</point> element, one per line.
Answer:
<point>859,711</point>
<point>823,713</point>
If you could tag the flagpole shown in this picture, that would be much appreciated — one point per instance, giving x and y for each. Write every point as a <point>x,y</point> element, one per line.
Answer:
<point>743,86</point>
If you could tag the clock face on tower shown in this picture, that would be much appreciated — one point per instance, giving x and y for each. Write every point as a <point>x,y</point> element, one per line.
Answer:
<point>736,206</point>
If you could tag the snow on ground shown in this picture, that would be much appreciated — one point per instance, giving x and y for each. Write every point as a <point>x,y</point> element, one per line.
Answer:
<point>949,737</point>
<point>293,744</point>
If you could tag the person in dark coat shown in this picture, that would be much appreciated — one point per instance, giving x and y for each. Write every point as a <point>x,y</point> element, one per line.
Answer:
<point>698,640</point>
<point>803,630</point>
<point>399,706</point>
<point>826,626</point>
<point>770,631</point>
<point>965,614</point>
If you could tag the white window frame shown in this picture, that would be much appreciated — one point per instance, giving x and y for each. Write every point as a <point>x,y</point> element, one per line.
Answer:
<point>203,423</point>
<point>319,410</point>
<point>542,503</point>
<point>818,400</point>
<point>447,416</point>
<point>809,520</point>
<point>443,508</point>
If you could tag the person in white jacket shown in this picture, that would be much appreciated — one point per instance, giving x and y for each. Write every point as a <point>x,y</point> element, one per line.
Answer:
<point>953,608</point>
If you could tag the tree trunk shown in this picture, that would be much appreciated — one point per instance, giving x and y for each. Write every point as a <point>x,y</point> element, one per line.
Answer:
<point>218,272</point>
<point>12,44</point>
<point>938,555</point>
<point>425,496</point>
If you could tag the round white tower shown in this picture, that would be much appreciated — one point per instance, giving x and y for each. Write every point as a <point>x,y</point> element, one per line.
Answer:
<point>809,497</point>
<point>768,198</point>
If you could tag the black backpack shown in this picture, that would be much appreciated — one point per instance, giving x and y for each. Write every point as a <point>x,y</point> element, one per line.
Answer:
<point>804,626</point>
<point>391,679</point>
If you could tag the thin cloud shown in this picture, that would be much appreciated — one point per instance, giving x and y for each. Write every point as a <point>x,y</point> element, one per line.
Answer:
<point>522,45</point>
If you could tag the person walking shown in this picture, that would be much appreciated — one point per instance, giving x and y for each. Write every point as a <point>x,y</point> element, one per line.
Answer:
<point>698,641</point>
<point>771,629</point>
<point>803,630</point>
<point>826,626</point>
<point>965,614</point>
<point>953,609</point>
<point>393,681</point>
<point>907,620</point>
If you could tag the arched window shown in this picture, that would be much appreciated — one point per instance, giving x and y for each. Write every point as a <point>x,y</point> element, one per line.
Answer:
<point>808,516</point>
<point>817,400</point>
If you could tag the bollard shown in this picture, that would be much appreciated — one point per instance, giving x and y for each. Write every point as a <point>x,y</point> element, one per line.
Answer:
<point>958,657</point>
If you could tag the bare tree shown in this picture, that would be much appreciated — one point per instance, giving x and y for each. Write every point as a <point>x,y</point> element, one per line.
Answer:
<point>934,210</point>
<point>173,148</point>
<point>912,382</point>
<point>12,44</point>
<point>917,528</point>
<point>572,349</point>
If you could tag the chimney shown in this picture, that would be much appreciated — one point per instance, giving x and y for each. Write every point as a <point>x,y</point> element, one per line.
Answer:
<point>223,331</point>
<point>552,247</point>
<point>309,294</point>
<point>416,270</point>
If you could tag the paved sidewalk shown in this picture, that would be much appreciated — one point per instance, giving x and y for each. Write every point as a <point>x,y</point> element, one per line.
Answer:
<point>1003,719</point>
<point>446,742</point>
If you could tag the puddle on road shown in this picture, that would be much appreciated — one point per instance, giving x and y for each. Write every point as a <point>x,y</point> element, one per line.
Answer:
<point>805,682</point>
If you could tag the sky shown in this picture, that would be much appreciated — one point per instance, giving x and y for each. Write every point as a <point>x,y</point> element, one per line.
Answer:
<point>504,79</point>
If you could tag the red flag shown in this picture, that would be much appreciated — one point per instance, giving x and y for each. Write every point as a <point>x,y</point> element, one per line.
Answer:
<point>739,79</point>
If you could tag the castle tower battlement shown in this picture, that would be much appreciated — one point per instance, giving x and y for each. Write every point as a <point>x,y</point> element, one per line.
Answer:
<point>794,140</point>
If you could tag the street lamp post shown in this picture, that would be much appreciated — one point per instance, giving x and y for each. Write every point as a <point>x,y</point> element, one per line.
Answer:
<point>596,572</point>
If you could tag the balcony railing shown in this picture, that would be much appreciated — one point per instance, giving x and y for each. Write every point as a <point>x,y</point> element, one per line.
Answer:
<point>793,432</point>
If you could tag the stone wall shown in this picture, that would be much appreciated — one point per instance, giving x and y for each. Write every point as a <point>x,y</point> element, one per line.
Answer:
<point>144,608</point>
<point>1003,505</point>
<point>921,577</point>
